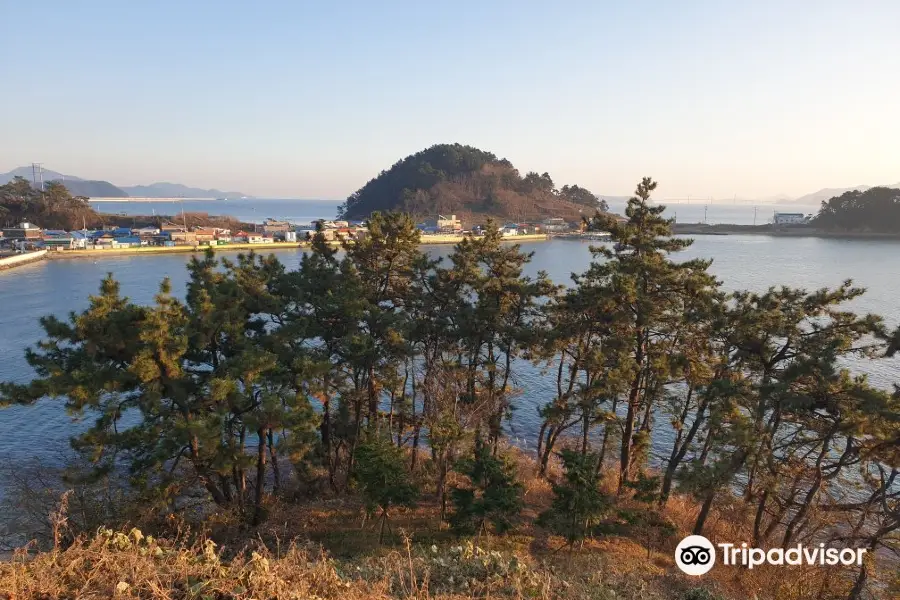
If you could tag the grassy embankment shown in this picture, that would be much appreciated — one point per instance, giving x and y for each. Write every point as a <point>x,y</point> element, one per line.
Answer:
<point>325,548</point>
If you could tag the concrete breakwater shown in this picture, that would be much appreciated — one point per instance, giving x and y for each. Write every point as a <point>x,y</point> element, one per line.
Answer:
<point>16,260</point>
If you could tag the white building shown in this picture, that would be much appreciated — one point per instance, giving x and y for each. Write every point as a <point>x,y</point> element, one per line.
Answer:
<point>509,229</point>
<point>789,218</point>
<point>452,223</point>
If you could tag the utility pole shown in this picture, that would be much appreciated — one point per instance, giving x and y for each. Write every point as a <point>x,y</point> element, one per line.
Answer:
<point>754,216</point>
<point>705,208</point>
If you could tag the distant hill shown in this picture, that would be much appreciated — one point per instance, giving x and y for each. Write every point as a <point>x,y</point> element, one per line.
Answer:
<point>177,190</point>
<point>76,185</point>
<point>92,189</point>
<point>26,172</point>
<point>471,183</point>
<point>825,194</point>
<point>104,189</point>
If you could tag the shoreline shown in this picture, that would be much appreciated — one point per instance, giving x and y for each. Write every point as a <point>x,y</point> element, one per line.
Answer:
<point>432,240</point>
<point>724,229</point>
<point>20,260</point>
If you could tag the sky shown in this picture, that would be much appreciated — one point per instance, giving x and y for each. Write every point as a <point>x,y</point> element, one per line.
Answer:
<point>309,99</point>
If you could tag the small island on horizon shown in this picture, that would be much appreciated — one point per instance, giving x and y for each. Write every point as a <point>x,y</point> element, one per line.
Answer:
<point>471,183</point>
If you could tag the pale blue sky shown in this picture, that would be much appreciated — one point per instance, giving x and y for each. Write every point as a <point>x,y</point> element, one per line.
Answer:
<point>311,99</point>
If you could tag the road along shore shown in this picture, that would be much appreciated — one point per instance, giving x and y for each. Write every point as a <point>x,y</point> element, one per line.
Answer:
<point>150,250</point>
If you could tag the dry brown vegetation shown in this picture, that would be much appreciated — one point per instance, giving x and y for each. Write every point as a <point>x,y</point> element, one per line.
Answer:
<point>327,549</point>
<point>191,219</point>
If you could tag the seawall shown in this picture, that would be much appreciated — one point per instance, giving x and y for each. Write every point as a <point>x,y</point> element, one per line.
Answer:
<point>18,260</point>
<point>171,250</point>
<point>455,239</point>
<point>425,241</point>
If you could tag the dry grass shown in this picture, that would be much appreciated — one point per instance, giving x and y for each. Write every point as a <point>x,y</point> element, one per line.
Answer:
<point>326,549</point>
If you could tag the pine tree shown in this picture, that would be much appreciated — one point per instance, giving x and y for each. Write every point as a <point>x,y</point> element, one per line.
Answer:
<point>323,306</point>
<point>787,344</point>
<point>496,308</point>
<point>194,380</point>
<point>495,496</point>
<point>650,291</point>
<point>578,504</point>
<point>382,478</point>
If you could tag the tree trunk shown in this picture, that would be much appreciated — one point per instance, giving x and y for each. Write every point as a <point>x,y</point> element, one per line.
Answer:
<point>384,518</point>
<point>585,428</point>
<point>260,477</point>
<point>276,471</point>
<point>625,455</point>
<point>760,513</point>
<point>373,397</point>
<point>860,585</point>
<point>704,512</point>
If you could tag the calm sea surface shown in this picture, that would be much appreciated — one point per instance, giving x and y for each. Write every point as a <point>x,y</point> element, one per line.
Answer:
<point>741,262</point>
<point>300,212</point>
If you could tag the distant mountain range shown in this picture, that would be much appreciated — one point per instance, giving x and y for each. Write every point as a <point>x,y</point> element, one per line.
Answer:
<point>176,190</point>
<point>104,189</point>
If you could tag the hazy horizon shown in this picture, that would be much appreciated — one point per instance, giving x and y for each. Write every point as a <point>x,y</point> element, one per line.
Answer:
<point>289,100</point>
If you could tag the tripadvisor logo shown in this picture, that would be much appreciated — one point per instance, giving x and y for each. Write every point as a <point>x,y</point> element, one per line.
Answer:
<point>696,555</point>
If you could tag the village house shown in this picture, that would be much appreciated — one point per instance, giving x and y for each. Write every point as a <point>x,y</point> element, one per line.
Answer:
<point>127,242</point>
<point>258,238</point>
<point>451,224</point>
<point>556,224</point>
<point>58,240</point>
<point>24,231</point>
<point>180,238</point>
<point>441,224</point>
<point>204,235</point>
<point>509,229</point>
<point>790,218</point>
<point>101,239</point>
<point>79,239</point>
<point>273,226</point>
<point>145,231</point>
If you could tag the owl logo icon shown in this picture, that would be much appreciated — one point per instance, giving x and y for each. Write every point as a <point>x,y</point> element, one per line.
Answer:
<point>695,555</point>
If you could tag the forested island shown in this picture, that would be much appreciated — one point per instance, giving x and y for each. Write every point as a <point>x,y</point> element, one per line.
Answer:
<point>471,183</point>
<point>876,210</point>
<point>339,430</point>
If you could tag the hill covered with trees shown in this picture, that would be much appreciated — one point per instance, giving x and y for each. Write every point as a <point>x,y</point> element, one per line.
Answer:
<point>472,183</point>
<point>876,210</point>
<point>53,208</point>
